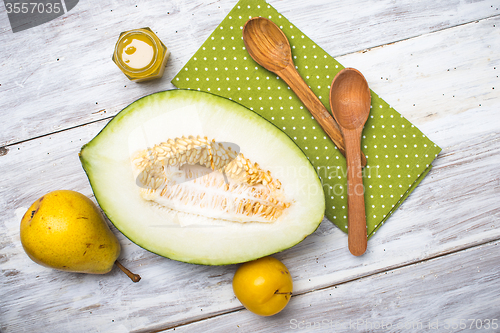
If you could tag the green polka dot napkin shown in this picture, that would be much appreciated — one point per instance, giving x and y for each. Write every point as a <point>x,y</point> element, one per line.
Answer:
<point>398,154</point>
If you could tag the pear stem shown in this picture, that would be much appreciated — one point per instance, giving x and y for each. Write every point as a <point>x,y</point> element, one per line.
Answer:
<point>132,276</point>
<point>278,293</point>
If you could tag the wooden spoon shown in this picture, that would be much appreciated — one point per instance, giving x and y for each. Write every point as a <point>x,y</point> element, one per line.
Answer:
<point>350,101</point>
<point>269,47</point>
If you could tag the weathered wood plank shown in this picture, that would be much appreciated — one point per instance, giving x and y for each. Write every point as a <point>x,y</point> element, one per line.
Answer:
<point>453,293</point>
<point>70,79</point>
<point>172,293</point>
<point>434,79</point>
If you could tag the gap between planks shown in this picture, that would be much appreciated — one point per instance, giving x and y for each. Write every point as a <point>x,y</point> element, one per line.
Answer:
<point>416,36</point>
<point>107,119</point>
<point>377,272</point>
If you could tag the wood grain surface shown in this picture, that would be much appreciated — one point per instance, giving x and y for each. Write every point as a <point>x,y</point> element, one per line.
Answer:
<point>436,258</point>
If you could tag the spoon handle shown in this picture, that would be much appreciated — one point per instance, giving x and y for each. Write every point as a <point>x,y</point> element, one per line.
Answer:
<point>291,77</point>
<point>356,216</point>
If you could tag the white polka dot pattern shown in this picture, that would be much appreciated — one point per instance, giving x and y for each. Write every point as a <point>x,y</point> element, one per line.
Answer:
<point>398,154</point>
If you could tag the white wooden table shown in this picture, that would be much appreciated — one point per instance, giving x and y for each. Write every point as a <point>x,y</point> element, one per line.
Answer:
<point>435,260</point>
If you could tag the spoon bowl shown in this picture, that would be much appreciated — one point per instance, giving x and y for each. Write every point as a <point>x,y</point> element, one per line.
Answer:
<point>350,100</point>
<point>267,44</point>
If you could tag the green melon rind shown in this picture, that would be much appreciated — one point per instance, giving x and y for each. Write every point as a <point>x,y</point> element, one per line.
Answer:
<point>93,159</point>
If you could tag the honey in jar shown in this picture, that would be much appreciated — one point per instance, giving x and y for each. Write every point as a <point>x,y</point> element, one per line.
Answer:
<point>140,54</point>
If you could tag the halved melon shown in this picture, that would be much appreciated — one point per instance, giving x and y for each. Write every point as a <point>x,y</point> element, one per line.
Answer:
<point>201,179</point>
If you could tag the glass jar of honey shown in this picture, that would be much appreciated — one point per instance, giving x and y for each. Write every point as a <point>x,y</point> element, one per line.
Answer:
<point>140,54</point>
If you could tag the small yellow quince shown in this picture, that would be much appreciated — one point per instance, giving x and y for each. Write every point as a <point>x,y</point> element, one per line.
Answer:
<point>264,286</point>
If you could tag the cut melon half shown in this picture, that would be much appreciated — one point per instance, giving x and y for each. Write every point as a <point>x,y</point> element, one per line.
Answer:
<point>201,179</point>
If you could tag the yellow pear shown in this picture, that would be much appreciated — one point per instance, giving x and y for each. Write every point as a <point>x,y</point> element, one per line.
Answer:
<point>66,231</point>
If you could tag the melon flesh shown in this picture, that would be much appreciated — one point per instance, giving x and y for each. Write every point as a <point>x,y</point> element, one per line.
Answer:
<point>201,179</point>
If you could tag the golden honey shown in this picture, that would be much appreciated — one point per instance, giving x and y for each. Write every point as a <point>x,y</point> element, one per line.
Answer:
<point>140,54</point>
